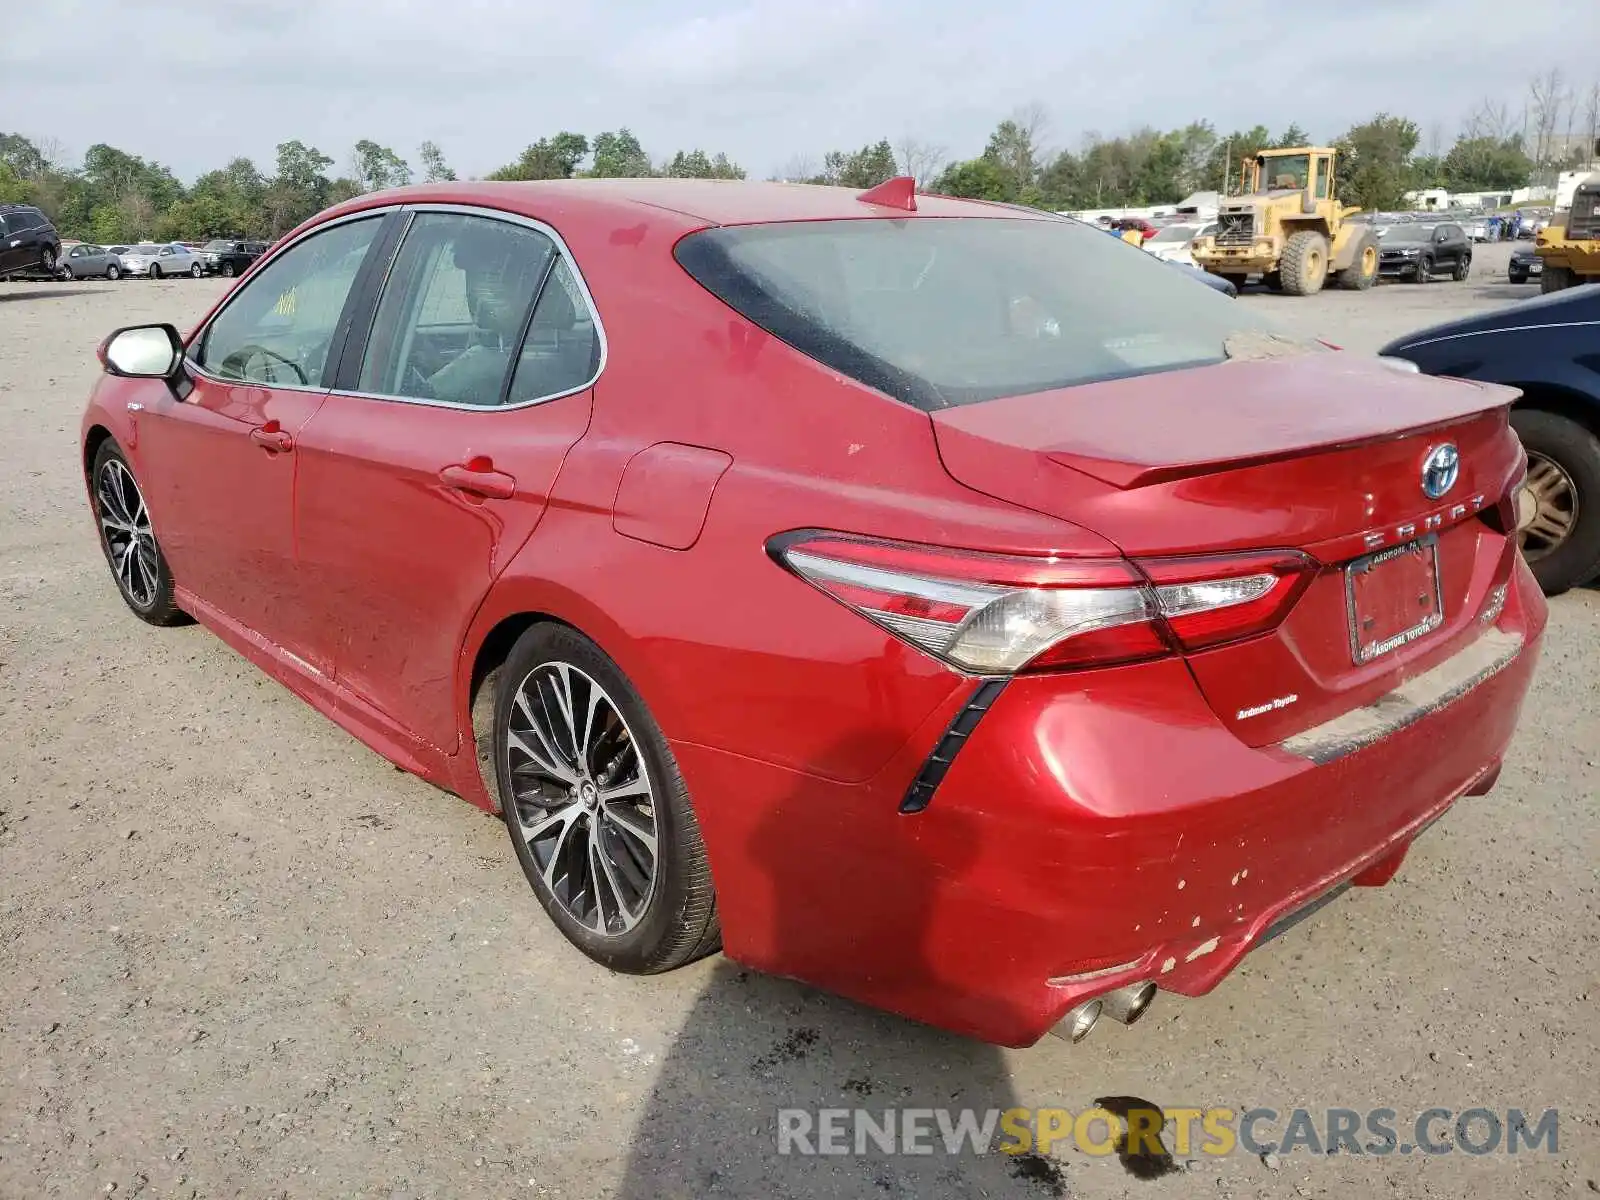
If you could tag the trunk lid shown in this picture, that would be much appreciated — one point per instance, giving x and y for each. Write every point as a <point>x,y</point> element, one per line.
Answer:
<point>1322,453</point>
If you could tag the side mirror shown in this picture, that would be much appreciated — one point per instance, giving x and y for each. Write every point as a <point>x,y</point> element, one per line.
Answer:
<point>142,352</point>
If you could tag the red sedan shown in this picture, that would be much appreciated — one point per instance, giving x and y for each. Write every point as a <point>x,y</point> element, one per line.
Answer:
<point>939,602</point>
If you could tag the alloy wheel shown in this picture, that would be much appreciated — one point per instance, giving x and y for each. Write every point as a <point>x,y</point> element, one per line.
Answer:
<point>585,802</point>
<point>130,541</point>
<point>1556,515</point>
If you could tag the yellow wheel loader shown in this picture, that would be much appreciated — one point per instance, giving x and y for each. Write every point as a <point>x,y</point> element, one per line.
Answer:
<point>1570,245</point>
<point>1287,227</point>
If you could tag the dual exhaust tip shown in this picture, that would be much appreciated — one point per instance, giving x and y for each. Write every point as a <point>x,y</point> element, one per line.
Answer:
<point>1125,1004</point>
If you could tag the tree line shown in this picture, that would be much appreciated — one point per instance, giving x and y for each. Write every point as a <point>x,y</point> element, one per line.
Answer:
<point>113,196</point>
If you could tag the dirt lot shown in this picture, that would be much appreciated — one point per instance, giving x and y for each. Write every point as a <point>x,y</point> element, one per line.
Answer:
<point>240,955</point>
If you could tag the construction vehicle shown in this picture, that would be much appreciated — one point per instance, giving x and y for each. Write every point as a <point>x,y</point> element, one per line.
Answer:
<point>1287,226</point>
<point>1570,245</point>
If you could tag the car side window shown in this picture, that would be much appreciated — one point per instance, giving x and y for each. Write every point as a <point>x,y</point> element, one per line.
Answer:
<point>453,309</point>
<point>562,350</point>
<point>279,328</point>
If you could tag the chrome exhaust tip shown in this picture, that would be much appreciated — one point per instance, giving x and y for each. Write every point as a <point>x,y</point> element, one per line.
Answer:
<point>1128,1004</point>
<point>1075,1026</point>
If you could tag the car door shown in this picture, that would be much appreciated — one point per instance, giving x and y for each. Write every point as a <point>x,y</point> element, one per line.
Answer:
<point>218,464</point>
<point>432,460</point>
<point>13,243</point>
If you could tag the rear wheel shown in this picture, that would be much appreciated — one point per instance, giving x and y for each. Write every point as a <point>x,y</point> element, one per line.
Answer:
<point>1518,276</point>
<point>1304,266</point>
<point>598,814</point>
<point>196,271</point>
<point>1562,542</point>
<point>1362,272</point>
<point>1555,279</point>
<point>129,540</point>
<point>1463,268</point>
<point>47,261</point>
<point>66,272</point>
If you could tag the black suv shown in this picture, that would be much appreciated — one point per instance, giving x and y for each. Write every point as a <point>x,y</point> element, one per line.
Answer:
<point>28,241</point>
<point>1419,252</point>
<point>224,257</point>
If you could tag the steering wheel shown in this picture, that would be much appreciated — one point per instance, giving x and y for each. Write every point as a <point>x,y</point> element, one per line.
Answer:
<point>240,360</point>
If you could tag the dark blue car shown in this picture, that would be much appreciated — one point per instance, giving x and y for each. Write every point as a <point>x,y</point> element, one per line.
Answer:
<point>1550,348</point>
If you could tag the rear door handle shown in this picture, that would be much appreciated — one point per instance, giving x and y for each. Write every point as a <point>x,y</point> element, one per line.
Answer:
<point>479,477</point>
<point>272,436</point>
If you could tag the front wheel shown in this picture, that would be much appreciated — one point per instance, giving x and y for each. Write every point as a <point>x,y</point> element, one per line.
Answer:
<point>129,540</point>
<point>113,272</point>
<point>66,273</point>
<point>1555,279</point>
<point>597,812</point>
<point>1424,271</point>
<point>1562,541</point>
<point>227,270</point>
<point>155,271</point>
<point>196,271</point>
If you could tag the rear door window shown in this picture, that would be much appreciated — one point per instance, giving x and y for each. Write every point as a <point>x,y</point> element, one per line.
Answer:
<point>454,309</point>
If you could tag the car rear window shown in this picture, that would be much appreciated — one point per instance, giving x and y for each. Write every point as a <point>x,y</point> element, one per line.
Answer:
<point>939,312</point>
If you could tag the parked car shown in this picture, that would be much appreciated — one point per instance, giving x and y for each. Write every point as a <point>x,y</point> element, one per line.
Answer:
<point>964,615</point>
<point>1544,347</point>
<point>29,243</point>
<point>225,257</point>
<point>1215,282</point>
<point>1419,252</point>
<point>84,260</point>
<point>1172,243</point>
<point>1525,265</point>
<point>157,261</point>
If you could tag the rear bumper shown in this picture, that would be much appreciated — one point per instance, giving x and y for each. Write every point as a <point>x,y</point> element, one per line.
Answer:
<point>1093,832</point>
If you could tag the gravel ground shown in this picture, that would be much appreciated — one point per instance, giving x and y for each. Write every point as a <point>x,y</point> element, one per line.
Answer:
<point>240,955</point>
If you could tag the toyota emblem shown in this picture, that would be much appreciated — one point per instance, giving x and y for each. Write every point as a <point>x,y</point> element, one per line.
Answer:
<point>1440,470</point>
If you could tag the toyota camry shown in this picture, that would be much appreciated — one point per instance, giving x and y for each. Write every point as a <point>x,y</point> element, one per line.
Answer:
<point>938,602</point>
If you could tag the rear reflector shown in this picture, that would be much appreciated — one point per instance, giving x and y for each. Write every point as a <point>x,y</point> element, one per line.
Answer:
<point>998,614</point>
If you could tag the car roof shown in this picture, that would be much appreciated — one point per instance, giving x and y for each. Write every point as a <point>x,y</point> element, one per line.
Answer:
<point>700,202</point>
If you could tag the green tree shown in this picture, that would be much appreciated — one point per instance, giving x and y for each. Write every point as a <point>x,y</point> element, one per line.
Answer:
<point>378,167</point>
<point>976,179</point>
<point>1222,169</point>
<point>695,165</point>
<point>548,158</point>
<point>24,160</point>
<point>1486,163</point>
<point>1292,136</point>
<point>1374,165</point>
<point>1012,150</point>
<point>435,169</point>
<point>863,168</point>
<point>298,189</point>
<point>619,156</point>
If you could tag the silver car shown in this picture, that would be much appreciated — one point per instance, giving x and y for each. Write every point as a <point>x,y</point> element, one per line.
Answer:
<point>159,261</point>
<point>88,261</point>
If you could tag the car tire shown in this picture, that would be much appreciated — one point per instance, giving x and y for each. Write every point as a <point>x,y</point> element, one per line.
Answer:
<point>65,271</point>
<point>227,270</point>
<point>128,540</point>
<point>1362,272</point>
<point>1518,277</point>
<point>47,261</point>
<point>196,271</point>
<point>1424,272</point>
<point>1463,268</point>
<point>1555,279</point>
<point>585,859</point>
<point>1304,265</point>
<point>155,271</point>
<point>113,272</point>
<point>1574,451</point>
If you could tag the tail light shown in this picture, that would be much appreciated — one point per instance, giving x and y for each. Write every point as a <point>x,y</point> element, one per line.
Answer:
<point>998,614</point>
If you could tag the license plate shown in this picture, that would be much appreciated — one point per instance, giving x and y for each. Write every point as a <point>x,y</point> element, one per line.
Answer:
<point>1393,598</point>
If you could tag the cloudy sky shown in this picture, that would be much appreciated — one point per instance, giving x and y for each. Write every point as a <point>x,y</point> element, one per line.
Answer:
<point>191,83</point>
